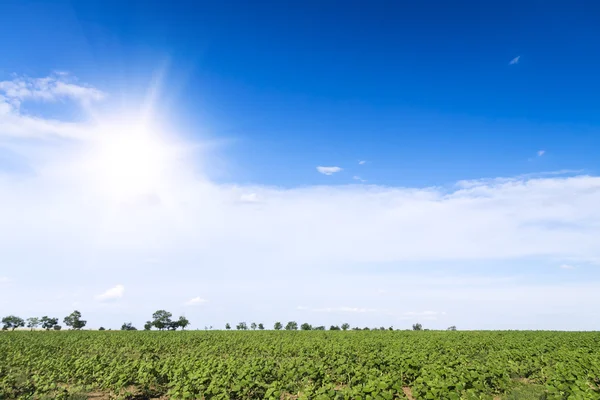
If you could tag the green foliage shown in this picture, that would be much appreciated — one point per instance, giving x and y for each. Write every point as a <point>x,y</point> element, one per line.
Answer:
<point>261,327</point>
<point>417,327</point>
<point>33,322</point>
<point>74,320</point>
<point>277,326</point>
<point>452,328</point>
<point>345,326</point>
<point>291,326</point>
<point>305,326</point>
<point>128,326</point>
<point>161,319</point>
<point>227,326</point>
<point>308,365</point>
<point>48,323</point>
<point>241,326</point>
<point>12,322</point>
<point>253,326</point>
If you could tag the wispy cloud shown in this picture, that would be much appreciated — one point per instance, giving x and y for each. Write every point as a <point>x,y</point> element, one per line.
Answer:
<point>362,162</point>
<point>249,198</point>
<point>328,170</point>
<point>14,122</point>
<point>515,60</point>
<point>358,178</point>
<point>195,301</point>
<point>346,310</point>
<point>541,153</point>
<point>4,279</point>
<point>112,293</point>
<point>50,88</point>
<point>567,266</point>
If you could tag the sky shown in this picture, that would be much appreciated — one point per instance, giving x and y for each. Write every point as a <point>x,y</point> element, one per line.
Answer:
<point>377,163</point>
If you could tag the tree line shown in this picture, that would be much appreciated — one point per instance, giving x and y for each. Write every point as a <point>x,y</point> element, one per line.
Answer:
<point>161,320</point>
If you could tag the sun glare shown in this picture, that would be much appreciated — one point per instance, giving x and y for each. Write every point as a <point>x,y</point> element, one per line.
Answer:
<point>129,159</point>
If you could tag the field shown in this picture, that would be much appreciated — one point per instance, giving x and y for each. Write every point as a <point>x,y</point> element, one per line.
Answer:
<point>299,365</point>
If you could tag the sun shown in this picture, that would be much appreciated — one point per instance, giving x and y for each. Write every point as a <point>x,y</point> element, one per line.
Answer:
<point>129,158</point>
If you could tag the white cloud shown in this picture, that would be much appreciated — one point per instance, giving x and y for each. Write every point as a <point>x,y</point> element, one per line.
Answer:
<point>4,279</point>
<point>249,198</point>
<point>195,301</point>
<point>50,88</point>
<point>567,266</point>
<point>358,178</point>
<point>15,123</point>
<point>346,310</point>
<point>362,162</point>
<point>112,293</point>
<point>515,60</point>
<point>330,244</point>
<point>541,153</point>
<point>328,170</point>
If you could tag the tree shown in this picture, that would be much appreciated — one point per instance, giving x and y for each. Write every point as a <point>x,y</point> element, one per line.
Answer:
<point>48,323</point>
<point>57,327</point>
<point>227,326</point>
<point>391,328</point>
<point>12,322</point>
<point>452,328</point>
<point>161,319</point>
<point>261,326</point>
<point>148,325</point>
<point>74,320</point>
<point>334,328</point>
<point>33,322</point>
<point>417,327</point>
<point>253,326</point>
<point>277,326</point>
<point>291,326</point>
<point>183,322</point>
<point>241,326</point>
<point>101,328</point>
<point>319,328</point>
<point>127,326</point>
<point>366,328</point>
<point>345,326</point>
<point>305,326</point>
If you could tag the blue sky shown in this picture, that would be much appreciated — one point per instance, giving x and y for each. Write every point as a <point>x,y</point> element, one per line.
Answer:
<point>395,161</point>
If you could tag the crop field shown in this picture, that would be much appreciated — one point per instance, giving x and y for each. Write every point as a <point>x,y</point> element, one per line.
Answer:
<point>299,365</point>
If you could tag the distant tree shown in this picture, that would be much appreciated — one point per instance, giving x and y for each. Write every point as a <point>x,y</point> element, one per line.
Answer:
<point>334,328</point>
<point>391,328</point>
<point>74,320</point>
<point>183,322</point>
<point>57,327</point>
<point>261,326</point>
<point>12,322</point>
<point>161,319</point>
<point>417,327</point>
<point>381,328</point>
<point>241,326</point>
<point>291,326</point>
<point>345,326</point>
<point>101,328</point>
<point>319,328</point>
<point>305,327</point>
<point>366,328</point>
<point>48,323</point>
<point>148,325</point>
<point>452,328</point>
<point>356,328</point>
<point>227,326</point>
<point>128,326</point>
<point>33,322</point>
<point>277,326</point>
<point>253,326</point>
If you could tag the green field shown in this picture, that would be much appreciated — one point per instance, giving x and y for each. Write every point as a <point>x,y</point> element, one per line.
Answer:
<point>297,364</point>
